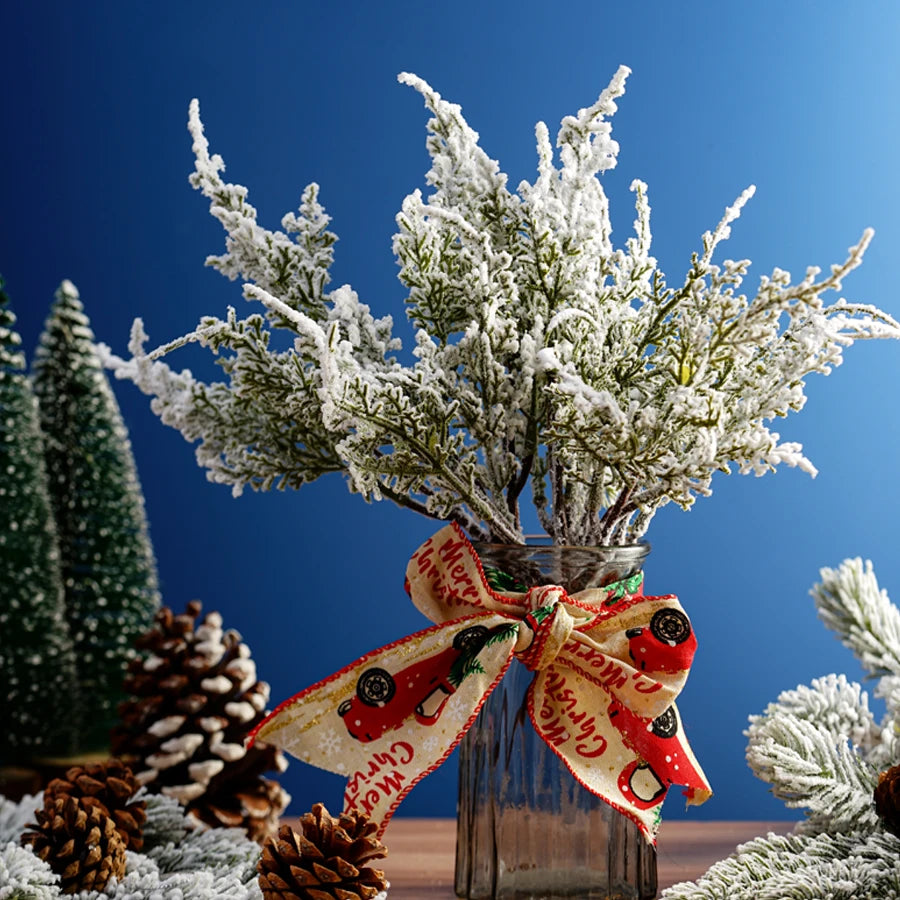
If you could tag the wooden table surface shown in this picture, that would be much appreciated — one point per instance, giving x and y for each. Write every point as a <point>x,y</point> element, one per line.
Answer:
<point>421,852</point>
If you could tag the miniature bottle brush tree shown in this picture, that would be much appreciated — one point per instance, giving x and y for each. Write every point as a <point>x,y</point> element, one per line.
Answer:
<point>79,575</point>
<point>542,352</point>
<point>37,658</point>
<point>108,566</point>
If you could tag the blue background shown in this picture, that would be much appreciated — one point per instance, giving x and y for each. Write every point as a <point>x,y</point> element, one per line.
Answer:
<point>799,98</point>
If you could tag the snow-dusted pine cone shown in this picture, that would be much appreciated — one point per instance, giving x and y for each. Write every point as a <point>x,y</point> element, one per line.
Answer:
<point>196,700</point>
<point>81,844</point>
<point>110,786</point>
<point>887,799</point>
<point>325,860</point>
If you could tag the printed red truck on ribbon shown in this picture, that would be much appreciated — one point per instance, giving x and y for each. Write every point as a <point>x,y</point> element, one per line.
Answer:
<point>608,665</point>
<point>383,702</point>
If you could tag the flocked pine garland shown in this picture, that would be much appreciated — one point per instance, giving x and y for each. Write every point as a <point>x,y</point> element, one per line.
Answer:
<point>821,750</point>
<point>180,861</point>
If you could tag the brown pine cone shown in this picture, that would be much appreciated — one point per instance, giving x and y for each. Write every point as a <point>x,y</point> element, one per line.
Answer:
<point>324,861</point>
<point>81,844</point>
<point>196,700</point>
<point>110,786</point>
<point>253,803</point>
<point>887,799</point>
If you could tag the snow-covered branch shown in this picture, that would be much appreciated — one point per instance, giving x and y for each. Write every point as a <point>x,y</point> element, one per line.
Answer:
<point>542,352</point>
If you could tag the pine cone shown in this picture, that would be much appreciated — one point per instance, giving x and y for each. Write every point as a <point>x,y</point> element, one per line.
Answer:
<point>325,861</point>
<point>81,844</point>
<point>196,701</point>
<point>887,799</point>
<point>109,786</point>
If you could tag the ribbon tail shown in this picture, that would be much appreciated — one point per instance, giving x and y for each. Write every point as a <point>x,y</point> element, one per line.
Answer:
<point>627,761</point>
<point>586,744</point>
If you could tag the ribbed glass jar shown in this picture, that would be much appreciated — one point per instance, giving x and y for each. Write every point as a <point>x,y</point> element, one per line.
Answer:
<point>526,830</point>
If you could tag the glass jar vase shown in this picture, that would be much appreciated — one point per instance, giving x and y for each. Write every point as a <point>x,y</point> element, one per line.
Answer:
<point>526,829</point>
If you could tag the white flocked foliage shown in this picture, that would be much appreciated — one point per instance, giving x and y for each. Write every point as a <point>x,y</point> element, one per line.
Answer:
<point>23,876</point>
<point>796,867</point>
<point>807,747</point>
<point>821,749</point>
<point>180,861</point>
<point>543,353</point>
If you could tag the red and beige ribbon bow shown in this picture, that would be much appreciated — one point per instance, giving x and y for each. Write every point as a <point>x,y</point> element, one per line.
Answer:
<point>608,664</point>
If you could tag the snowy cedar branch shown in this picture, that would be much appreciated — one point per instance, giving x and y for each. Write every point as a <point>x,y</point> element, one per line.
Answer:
<point>820,748</point>
<point>542,352</point>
